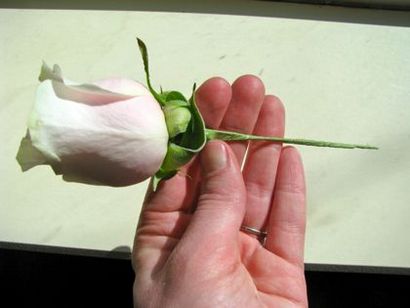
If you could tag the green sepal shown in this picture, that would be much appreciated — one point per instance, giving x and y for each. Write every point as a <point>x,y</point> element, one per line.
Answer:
<point>173,96</point>
<point>177,118</point>
<point>181,151</point>
<point>177,112</point>
<point>176,157</point>
<point>177,103</point>
<point>194,138</point>
<point>161,175</point>
<point>144,54</point>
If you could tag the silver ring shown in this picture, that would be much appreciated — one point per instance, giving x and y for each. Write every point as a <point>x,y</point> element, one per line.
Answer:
<point>261,235</point>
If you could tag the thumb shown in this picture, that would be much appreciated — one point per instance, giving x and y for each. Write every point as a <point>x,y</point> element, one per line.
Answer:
<point>221,203</point>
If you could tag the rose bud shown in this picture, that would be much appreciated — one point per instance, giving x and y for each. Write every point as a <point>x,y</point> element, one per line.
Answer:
<point>111,132</point>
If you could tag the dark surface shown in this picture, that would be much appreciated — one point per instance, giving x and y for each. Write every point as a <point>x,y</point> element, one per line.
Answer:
<point>330,289</point>
<point>380,12</point>
<point>54,277</point>
<point>372,4</point>
<point>132,4</point>
<point>39,279</point>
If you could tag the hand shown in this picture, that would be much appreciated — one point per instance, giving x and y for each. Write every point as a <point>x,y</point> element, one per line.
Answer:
<point>189,250</point>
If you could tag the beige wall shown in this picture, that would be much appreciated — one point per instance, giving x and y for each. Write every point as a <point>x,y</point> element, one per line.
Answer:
<point>339,81</point>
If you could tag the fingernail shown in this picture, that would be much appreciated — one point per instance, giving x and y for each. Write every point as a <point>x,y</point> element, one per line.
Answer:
<point>214,156</point>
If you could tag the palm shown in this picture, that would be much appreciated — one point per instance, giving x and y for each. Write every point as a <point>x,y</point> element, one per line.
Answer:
<point>173,255</point>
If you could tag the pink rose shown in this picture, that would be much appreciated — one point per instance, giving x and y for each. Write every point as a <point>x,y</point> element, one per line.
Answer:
<point>111,132</point>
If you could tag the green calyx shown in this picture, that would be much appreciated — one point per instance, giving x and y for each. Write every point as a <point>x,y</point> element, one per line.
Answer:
<point>186,128</point>
<point>187,136</point>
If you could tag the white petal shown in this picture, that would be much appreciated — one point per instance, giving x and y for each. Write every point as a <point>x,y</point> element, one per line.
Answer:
<point>116,144</point>
<point>124,86</point>
<point>81,93</point>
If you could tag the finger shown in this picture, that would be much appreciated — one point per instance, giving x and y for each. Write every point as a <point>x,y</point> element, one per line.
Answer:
<point>161,224</point>
<point>261,164</point>
<point>212,99</point>
<point>221,203</point>
<point>248,93</point>
<point>171,195</point>
<point>287,219</point>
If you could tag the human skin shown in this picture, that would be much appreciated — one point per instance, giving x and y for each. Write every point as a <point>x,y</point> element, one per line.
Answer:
<point>189,250</point>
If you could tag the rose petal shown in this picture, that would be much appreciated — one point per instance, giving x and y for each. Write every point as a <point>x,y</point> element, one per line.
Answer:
<point>118,143</point>
<point>83,93</point>
<point>123,85</point>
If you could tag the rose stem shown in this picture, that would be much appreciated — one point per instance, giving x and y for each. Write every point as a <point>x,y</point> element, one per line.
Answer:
<point>213,134</point>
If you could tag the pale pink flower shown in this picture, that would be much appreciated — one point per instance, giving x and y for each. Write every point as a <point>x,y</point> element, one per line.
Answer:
<point>111,132</point>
